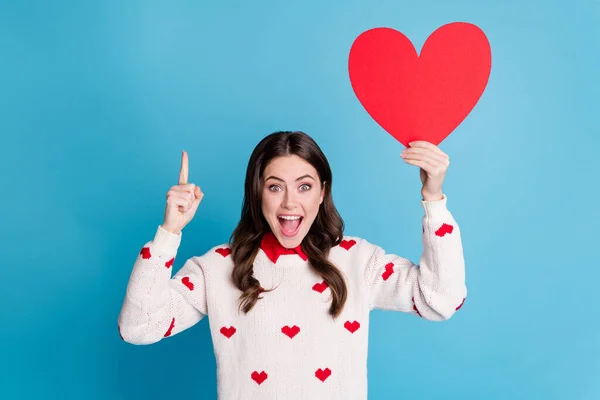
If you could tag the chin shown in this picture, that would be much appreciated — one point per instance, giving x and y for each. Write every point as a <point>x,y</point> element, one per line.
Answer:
<point>290,242</point>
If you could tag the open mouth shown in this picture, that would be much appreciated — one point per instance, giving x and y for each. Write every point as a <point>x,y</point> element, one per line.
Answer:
<point>290,226</point>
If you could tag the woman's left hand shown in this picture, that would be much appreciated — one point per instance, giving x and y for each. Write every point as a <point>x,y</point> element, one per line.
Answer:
<point>433,163</point>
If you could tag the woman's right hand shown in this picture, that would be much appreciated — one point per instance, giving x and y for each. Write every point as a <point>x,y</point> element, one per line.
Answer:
<point>182,201</point>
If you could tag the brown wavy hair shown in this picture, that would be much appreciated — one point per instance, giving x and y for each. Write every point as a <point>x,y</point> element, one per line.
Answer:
<point>325,232</point>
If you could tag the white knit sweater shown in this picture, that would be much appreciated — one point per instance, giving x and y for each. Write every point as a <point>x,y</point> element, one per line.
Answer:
<point>288,346</point>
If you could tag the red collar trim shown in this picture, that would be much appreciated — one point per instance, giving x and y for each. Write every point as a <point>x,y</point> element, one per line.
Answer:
<point>273,249</point>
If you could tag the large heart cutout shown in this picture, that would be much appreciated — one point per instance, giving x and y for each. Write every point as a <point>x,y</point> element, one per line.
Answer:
<point>421,97</point>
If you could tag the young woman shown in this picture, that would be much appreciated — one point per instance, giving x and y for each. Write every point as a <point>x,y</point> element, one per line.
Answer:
<point>288,297</point>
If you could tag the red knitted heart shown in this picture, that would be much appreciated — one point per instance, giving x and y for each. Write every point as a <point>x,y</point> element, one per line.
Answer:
<point>421,97</point>
<point>346,244</point>
<point>461,304</point>
<point>168,333</point>
<point>352,326</point>
<point>290,331</point>
<point>259,377</point>
<point>186,281</point>
<point>145,252</point>
<point>323,374</point>
<point>415,307</point>
<point>228,332</point>
<point>320,287</point>
<point>444,229</point>
<point>389,270</point>
<point>224,251</point>
<point>169,263</point>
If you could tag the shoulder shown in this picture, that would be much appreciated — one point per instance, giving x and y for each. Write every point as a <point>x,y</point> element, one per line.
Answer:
<point>355,247</point>
<point>354,255</point>
<point>216,255</point>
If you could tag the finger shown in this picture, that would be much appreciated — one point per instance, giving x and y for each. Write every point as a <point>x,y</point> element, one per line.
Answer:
<point>431,147</point>
<point>188,187</point>
<point>180,203</point>
<point>427,153</point>
<point>197,199</point>
<point>187,196</point>
<point>433,168</point>
<point>198,193</point>
<point>427,167</point>
<point>183,172</point>
<point>427,157</point>
<point>427,145</point>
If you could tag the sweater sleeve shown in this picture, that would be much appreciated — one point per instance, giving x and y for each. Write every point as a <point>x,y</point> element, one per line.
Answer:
<point>435,288</point>
<point>157,305</point>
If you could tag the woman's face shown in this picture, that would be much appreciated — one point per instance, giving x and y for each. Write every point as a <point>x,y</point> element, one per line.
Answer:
<point>291,189</point>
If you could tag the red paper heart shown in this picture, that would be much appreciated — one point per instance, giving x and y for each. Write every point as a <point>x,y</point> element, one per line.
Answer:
<point>421,97</point>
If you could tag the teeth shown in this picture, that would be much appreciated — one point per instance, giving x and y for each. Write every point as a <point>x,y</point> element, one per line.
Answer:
<point>289,218</point>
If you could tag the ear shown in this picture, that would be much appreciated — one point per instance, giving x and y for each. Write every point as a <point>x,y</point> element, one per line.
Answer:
<point>322,191</point>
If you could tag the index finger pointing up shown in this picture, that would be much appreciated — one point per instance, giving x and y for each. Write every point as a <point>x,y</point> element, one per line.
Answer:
<point>183,173</point>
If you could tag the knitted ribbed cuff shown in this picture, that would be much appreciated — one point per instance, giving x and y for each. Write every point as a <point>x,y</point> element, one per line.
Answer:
<point>166,242</point>
<point>434,208</point>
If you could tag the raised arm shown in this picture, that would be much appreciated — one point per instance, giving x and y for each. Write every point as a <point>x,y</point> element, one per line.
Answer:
<point>155,305</point>
<point>435,288</point>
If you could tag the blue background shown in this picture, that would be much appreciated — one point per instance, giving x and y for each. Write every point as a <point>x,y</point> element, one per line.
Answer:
<point>97,100</point>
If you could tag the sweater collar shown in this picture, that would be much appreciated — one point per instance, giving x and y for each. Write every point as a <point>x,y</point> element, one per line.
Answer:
<point>273,249</point>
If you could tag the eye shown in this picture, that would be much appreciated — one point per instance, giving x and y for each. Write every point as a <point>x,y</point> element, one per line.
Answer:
<point>273,186</point>
<point>307,186</point>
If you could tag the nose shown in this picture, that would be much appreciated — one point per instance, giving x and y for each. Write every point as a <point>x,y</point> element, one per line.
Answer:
<point>289,200</point>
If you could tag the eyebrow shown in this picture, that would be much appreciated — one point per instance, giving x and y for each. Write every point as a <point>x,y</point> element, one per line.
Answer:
<point>297,179</point>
